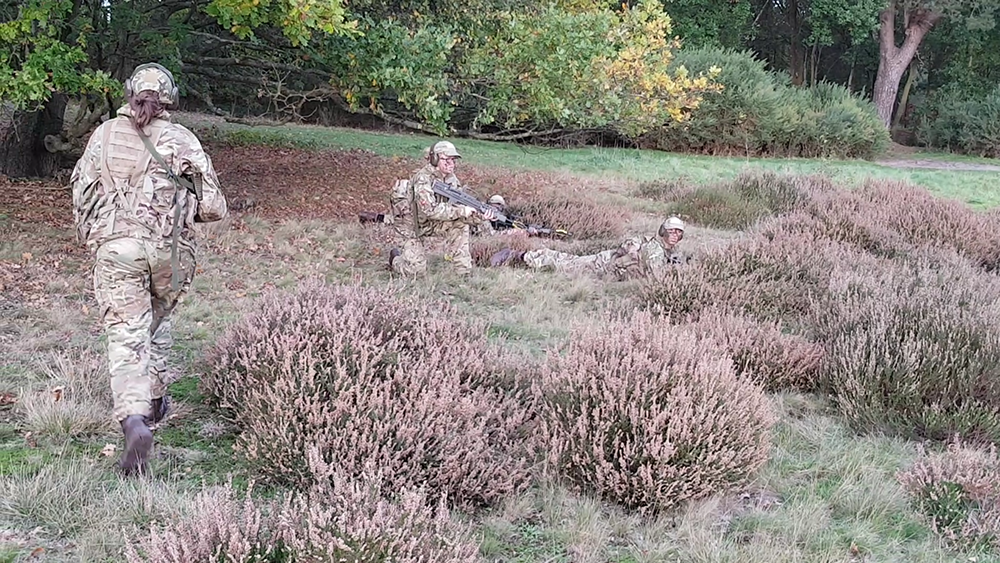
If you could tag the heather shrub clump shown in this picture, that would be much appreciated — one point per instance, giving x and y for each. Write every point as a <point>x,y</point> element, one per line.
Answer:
<point>648,415</point>
<point>761,351</point>
<point>913,347</point>
<point>958,491</point>
<point>370,379</point>
<point>736,204</point>
<point>340,520</point>
<point>582,218</point>
<point>773,274</point>
<point>890,218</point>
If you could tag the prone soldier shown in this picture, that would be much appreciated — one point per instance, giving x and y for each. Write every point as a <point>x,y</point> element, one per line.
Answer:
<point>635,257</point>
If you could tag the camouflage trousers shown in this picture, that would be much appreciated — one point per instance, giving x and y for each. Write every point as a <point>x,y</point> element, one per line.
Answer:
<point>132,284</point>
<point>547,259</point>
<point>450,237</point>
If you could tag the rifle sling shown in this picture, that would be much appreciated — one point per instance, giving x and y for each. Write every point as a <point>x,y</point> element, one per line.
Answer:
<point>179,182</point>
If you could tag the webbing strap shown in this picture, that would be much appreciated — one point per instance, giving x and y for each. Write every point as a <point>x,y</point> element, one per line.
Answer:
<point>179,182</point>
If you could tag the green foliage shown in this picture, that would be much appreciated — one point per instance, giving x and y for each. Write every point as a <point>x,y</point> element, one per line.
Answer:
<point>970,126</point>
<point>758,112</point>
<point>828,17</point>
<point>53,46</point>
<point>297,19</point>
<point>391,64</point>
<point>712,24</point>
<point>594,69</point>
<point>36,60</point>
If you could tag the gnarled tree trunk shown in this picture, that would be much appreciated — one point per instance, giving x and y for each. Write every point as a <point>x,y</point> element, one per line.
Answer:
<point>893,59</point>
<point>22,139</point>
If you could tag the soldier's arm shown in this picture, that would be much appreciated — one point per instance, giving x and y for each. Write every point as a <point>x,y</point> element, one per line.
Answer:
<point>432,209</point>
<point>194,162</point>
<point>83,181</point>
<point>627,253</point>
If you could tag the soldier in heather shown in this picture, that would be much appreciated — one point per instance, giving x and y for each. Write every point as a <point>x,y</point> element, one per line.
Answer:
<point>486,228</point>
<point>421,218</point>
<point>138,189</point>
<point>635,257</point>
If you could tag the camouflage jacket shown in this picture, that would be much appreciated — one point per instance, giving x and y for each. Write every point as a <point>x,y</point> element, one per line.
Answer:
<point>430,207</point>
<point>120,190</point>
<point>644,257</point>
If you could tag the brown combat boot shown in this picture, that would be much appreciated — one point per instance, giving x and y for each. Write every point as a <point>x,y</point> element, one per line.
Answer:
<point>138,443</point>
<point>507,256</point>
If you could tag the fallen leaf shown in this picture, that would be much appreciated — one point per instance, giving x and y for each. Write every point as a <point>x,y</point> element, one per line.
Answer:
<point>57,393</point>
<point>85,310</point>
<point>26,256</point>
<point>108,450</point>
<point>37,552</point>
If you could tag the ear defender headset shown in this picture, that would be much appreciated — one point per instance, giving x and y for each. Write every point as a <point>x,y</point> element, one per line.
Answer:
<point>174,94</point>
<point>433,156</point>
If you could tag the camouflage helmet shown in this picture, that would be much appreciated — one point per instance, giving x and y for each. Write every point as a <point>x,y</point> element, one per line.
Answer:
<point>671,223</point>
<point>497,200</point>
<point>153,77</point>
<point>442,148</point>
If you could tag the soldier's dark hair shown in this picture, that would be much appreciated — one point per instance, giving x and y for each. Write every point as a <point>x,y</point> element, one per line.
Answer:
<point>145,106</point>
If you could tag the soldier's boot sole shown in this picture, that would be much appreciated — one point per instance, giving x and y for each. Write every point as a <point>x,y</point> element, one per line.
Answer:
<point>138,444</point>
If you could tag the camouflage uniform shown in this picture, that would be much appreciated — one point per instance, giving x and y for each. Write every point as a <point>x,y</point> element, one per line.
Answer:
<point>124,206</point>
<point>438,223</point>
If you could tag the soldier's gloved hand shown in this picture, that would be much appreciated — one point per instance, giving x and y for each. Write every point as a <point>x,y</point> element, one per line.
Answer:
<point>489,215</point>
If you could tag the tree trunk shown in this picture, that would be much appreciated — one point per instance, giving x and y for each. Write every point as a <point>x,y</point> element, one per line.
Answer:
<point>894,60</point>
<point>904,97</point>
<point>22,139</point>
<point>796,53</point>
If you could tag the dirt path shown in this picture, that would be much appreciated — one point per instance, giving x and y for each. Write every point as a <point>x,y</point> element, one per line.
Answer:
<point>937,165</point>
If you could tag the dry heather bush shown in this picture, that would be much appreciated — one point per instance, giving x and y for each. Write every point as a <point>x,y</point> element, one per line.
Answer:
<point>913,347</point>
<point>581,217</point>
<point>649,415</point>
<point>341,520</point>
<point>958,491</point>
<point>775,274</point>
<point>218,528</point>
<point>370,377</point>
<point>760,350</point>
<point>892,218</point>
<point>739,203</point>
<point>351,520</point>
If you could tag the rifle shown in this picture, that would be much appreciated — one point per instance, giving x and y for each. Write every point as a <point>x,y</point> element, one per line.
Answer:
<point>455,195</point>
<point>502,220</point>
<point>533,230</point>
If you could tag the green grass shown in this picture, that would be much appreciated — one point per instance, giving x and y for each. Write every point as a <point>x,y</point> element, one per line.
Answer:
<point>978,188</point>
